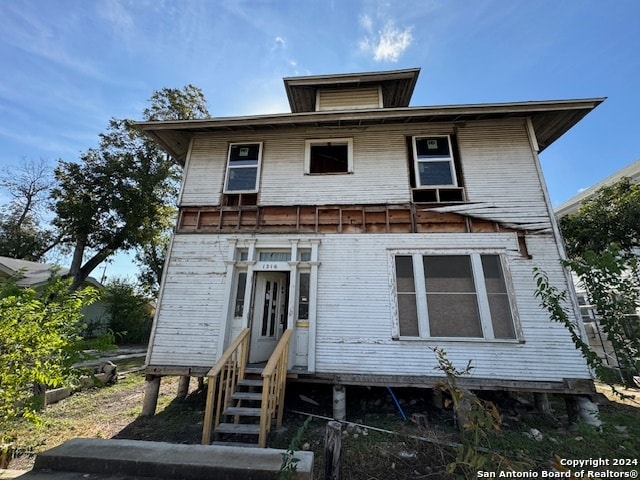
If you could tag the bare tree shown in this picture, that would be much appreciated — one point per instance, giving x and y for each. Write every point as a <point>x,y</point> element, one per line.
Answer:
<point>24,233</point>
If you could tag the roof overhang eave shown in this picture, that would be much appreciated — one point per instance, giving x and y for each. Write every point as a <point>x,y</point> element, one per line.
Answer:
<point>551,119</point>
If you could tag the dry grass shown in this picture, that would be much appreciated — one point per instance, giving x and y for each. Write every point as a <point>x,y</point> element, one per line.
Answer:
<point>112,412</point>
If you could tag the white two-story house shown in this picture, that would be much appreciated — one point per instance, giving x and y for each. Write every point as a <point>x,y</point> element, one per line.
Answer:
<point>373,230</point>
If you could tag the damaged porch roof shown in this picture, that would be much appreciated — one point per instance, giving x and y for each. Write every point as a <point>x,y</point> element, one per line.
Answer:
<point>550,120</point>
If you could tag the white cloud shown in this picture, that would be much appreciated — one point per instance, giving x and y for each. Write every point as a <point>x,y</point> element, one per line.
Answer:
<point>366,23</point>
<point>280,42</point>
<point>388,43</point>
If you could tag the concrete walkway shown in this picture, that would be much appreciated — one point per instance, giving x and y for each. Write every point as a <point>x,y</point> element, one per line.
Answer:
<point>108,459</point>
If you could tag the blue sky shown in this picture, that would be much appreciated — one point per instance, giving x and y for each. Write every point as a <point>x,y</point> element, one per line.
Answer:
<point>70,65</point>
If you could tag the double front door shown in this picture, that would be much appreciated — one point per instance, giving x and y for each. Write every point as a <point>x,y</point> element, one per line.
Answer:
<point>269,314</point>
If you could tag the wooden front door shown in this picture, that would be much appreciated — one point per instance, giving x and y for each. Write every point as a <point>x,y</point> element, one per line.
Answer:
<point>269,314</point>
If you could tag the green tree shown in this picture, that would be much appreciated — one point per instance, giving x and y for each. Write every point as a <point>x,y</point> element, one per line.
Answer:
<point>601,239</point>
<point>610,219</point>
<point>39,341</point>
<point>116,197</point>
<point>21,232</point>
<point>150,257</point>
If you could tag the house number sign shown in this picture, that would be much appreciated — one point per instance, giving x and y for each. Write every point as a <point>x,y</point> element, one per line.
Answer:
<point>269,266</point>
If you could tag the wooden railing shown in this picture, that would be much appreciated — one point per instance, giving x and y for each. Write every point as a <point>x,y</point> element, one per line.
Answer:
<point>223,377</point>
<point>274,381</point>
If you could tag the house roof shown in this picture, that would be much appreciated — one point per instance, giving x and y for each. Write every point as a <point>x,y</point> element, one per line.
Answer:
<point>550,120</point>
<point>397,87</point>
<point>573,204</point>
<point>33,273</point>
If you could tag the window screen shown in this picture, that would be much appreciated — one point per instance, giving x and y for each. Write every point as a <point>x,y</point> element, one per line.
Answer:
<point>452,303</point>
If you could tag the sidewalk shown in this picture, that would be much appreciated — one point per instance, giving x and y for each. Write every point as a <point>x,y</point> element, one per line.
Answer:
<point>108,459</point>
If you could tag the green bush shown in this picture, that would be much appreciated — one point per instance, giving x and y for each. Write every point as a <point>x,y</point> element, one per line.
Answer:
<point>39,342</point>
<point>130,313</point>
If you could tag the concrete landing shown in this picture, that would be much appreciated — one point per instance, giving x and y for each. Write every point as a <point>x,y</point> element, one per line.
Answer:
<point>131,459</point>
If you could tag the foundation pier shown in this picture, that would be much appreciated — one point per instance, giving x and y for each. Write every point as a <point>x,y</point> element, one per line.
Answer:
<point>183,386</point>
<point>339,402</point>
<point>151,392</point>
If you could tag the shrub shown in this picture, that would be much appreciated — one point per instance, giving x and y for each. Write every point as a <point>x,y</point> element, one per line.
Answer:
<point>130,313</point>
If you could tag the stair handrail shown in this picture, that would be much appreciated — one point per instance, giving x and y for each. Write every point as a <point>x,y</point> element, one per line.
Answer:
<point>229,368</point>
<point>274,381</point>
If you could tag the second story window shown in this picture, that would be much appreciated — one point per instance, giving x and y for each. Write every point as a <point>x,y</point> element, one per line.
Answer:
<point>433,162</point>
<point>328,156</point>
<point>243,168</point>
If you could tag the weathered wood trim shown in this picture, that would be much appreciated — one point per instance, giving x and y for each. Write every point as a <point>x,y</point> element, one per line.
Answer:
<point>171,370</point>
<point>406,218</point>
<point>567,385</point>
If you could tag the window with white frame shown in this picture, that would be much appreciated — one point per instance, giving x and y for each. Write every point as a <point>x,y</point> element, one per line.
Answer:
<point>328,156</point>
<point>452,296</point>
<point>433,162</point>
<point>243,168</point>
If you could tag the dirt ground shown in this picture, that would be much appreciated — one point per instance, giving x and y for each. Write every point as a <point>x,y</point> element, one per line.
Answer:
<point>369,453</point>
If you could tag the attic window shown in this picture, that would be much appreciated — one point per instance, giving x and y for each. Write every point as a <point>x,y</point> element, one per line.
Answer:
<point>328,156</point>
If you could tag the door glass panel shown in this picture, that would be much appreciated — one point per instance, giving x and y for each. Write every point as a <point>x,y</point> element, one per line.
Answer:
<point>273,318</point>
<point>266,308</point>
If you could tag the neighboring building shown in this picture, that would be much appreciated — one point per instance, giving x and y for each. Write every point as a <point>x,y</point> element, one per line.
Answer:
<point>35,275</point>
<point>373,231</point>
<point>572,205</point>
<point>595,334</point>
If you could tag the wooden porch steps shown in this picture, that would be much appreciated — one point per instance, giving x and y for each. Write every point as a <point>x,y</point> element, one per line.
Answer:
<point>239,428</point>
<point>243,411</point>
<point>235,411</point>
<point>247,382</point>
<point>241,420</point>
<point>251,396</point>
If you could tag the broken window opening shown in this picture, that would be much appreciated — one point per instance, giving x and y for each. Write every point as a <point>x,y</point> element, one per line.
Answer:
<point>329,156</point>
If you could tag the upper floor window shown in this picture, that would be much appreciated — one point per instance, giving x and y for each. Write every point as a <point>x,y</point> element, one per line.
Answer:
<point>433,162</point>
<point>452,296</point>
<point>243,168</point>
<point>328,156</point>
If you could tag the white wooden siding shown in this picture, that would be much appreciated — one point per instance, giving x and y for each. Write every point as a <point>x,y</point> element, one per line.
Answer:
<point>349,98</point>
<point>187,322</point>
<point>500,176</point>
<point>204,175</point>
<point>354,314</point>
<point>498,166</point>
<point>380,170</point>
